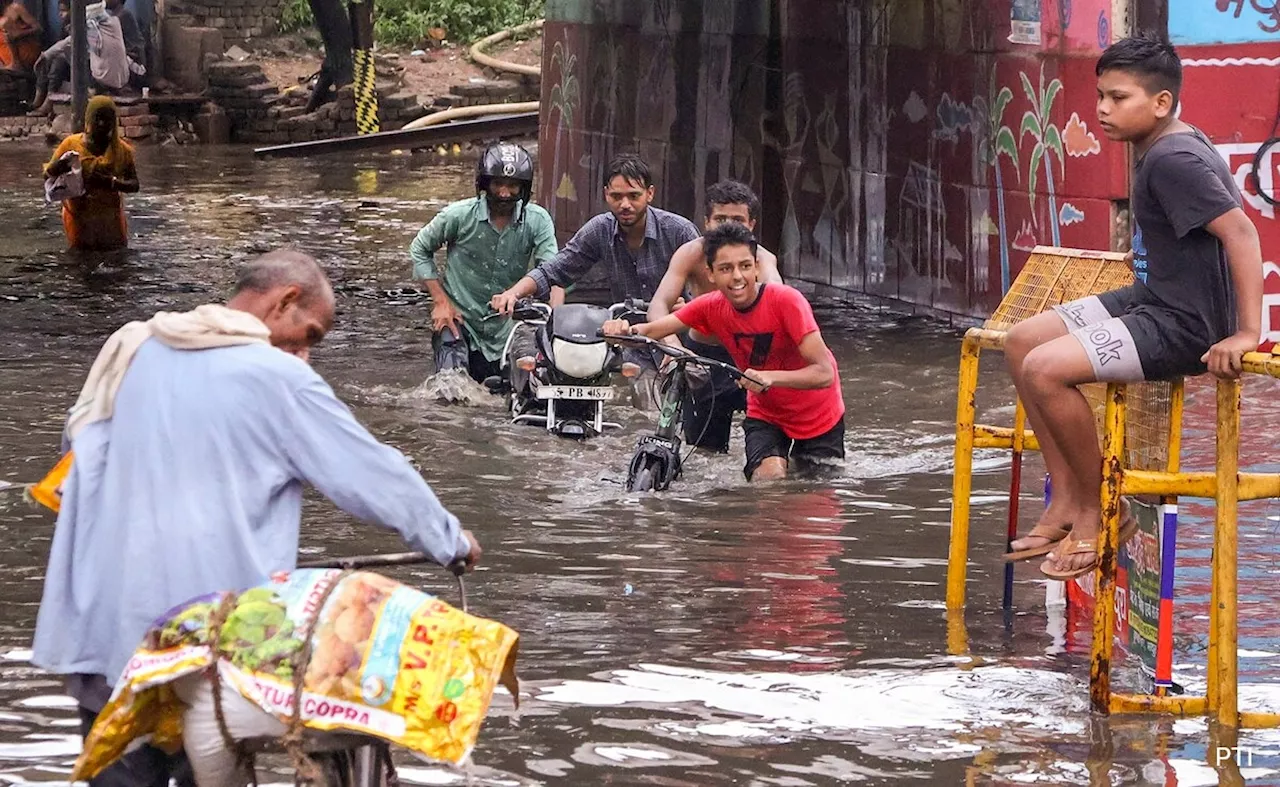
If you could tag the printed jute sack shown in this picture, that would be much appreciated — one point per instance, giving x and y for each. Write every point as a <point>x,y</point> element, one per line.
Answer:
<point>386,660</point>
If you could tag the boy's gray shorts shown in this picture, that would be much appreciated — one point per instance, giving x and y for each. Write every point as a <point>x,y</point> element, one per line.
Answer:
<point>1129,339</point>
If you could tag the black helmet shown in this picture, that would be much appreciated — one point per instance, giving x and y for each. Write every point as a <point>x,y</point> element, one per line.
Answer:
<point>505,160</point>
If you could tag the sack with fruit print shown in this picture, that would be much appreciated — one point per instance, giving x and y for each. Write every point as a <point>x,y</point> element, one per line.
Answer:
<point>364,653</point>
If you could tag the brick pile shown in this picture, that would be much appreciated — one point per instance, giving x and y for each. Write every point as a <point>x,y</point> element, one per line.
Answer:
<point>490,91</point>
<point>259,113</point>
<point>21,127</point>
<point>137,121</point>
<point>236,19</point>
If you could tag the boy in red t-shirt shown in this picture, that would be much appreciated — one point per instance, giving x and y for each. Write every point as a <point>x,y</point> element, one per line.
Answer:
<point>769,330</point>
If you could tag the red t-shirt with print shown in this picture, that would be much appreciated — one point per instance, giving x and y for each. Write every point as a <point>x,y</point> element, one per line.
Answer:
<point>766,336</point>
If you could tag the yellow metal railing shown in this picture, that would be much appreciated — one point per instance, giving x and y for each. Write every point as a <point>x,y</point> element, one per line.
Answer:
<point>1128,459</point>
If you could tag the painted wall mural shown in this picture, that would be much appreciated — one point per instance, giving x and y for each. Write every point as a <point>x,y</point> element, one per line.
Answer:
<point>902,148</point>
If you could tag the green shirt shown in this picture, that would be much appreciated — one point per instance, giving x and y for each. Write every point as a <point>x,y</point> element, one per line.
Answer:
<point>481,262</point>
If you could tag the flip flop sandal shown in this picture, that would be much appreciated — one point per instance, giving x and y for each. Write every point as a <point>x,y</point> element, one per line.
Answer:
<point>1055,534</point>
<point>1128,529</point>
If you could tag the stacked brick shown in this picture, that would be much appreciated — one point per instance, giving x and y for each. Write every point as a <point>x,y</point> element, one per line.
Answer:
<point>260,114</point>
<point>236,19</point>
<point>137,122</point>
<point>497,91</point>
<point>21,127</point>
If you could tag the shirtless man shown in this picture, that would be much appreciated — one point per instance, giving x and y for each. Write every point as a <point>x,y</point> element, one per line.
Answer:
<point>709,408</point>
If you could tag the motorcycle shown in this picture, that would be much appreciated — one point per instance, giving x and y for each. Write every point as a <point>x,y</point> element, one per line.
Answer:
<point>563,385</point>
<point>656,462</point>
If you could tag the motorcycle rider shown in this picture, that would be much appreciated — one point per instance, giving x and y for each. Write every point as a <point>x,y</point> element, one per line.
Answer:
<point>492,240</point>
<point>635,240</point>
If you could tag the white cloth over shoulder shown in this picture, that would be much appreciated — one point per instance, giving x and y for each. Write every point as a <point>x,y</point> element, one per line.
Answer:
<point>194,485</point>
<point>203,328</point>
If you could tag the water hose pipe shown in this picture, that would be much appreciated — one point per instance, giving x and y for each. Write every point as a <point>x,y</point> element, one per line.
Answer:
<point>478,55</point>
<point>458,113</point>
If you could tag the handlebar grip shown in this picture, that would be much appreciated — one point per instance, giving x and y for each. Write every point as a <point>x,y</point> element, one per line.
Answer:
<point>458,567</point>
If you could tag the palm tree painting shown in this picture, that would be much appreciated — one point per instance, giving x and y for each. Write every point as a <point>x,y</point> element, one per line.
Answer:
<point>565,97</point>
<point>1048,140</point>
<point>1000,142</point>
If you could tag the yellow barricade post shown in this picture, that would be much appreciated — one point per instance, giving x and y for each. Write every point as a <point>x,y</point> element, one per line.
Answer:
<point>1141,441</point>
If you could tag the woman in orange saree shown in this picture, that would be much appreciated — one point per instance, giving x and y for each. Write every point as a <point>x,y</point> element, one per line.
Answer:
<point>95,221</point>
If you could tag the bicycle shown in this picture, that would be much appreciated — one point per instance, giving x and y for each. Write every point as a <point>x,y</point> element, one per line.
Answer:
<point>657,462</point>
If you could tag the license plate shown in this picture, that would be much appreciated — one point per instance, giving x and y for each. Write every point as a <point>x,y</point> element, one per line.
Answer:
<point>593,393</point>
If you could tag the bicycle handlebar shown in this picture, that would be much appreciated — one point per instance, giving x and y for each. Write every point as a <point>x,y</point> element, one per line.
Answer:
<point>457,567</point>
<point>543,310</point>
<point>683,356</point>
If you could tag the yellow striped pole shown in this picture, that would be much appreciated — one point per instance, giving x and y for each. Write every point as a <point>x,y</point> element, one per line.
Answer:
<point>366,85</point>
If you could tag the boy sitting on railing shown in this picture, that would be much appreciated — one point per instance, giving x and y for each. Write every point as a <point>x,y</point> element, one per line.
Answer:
<point>769,330</point>
<point>1196,304</point>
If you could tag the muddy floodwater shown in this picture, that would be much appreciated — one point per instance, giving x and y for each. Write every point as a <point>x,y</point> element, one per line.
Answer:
<point>714,634</point>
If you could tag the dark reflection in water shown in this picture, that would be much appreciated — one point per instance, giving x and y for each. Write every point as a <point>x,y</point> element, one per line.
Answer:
<point>716,634</point>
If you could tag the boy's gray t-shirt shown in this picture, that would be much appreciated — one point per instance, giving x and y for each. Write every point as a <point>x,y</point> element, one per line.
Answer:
<point>1179,186</point>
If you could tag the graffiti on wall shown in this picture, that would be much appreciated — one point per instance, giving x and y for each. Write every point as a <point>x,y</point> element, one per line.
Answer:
<point>999,144</point>
<point>877,176</point>
<point>565,98</point>
<point>1224,21</point>
<point>1037,125</point>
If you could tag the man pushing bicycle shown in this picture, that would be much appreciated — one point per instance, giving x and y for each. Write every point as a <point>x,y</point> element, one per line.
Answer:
<point>795,410</point>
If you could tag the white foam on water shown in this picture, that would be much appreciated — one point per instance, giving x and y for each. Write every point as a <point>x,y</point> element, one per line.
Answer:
<point>454,386</point>
<point>47,701</point>
<point>17,654</point>
<point>922,603</point>
<point>895,562</point>
<point>1193,773</point>
<point>428,776</point>
<point>42,747</point>
<point>637,755</point>
<point>942,699</point>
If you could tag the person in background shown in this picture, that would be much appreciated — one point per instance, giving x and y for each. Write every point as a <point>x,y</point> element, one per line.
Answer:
<point>19,37</point>
<point>135,44</point>
<point>109,64</point>
<point>492,240</point>
<point>53,66</point>
<point>96,220</point>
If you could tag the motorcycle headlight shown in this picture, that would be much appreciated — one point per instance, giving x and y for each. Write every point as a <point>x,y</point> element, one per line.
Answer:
<point>579,361</point>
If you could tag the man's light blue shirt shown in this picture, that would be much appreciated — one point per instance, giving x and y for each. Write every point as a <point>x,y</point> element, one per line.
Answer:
<point>195,486</point>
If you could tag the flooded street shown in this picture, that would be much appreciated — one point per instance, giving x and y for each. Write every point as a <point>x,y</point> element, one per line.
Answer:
<point>714,634</point>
